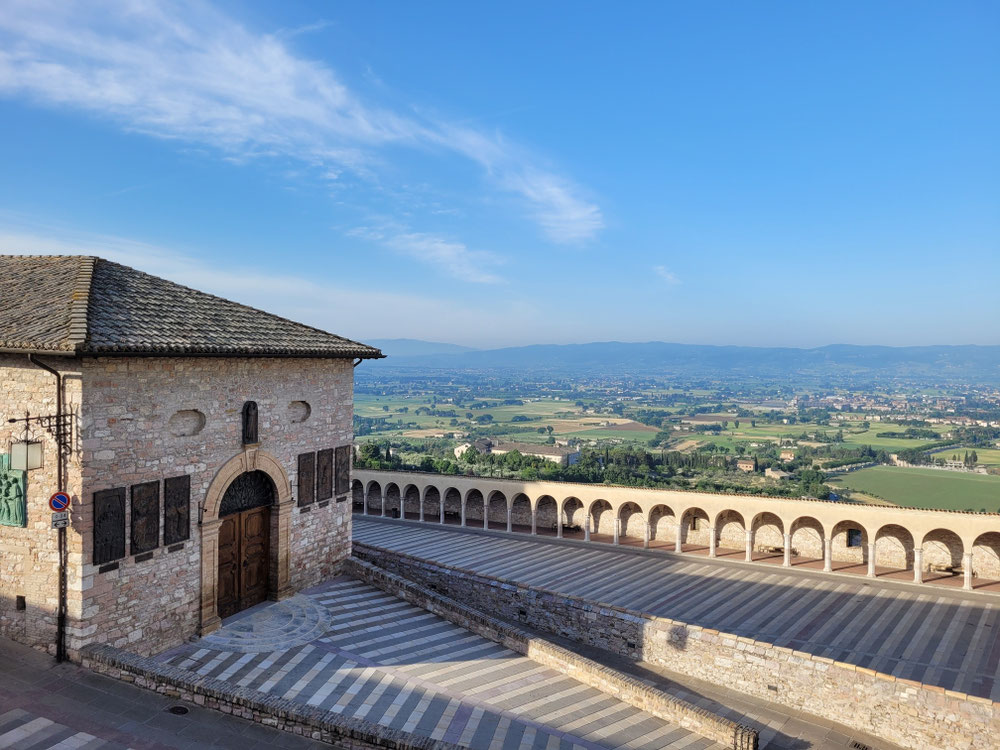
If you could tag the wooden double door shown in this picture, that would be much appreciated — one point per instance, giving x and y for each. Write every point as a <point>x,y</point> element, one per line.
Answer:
<point>244,546</point>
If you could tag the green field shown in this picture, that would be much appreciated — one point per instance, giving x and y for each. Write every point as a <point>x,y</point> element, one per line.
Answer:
<point>925,488</point>
<point>854,437</point>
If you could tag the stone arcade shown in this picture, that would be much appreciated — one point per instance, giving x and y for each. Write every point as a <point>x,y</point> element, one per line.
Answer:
<point>206,451</point>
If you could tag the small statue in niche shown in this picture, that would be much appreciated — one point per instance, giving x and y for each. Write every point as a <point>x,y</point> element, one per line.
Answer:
<point>250,423</point>
<point>13,504</point>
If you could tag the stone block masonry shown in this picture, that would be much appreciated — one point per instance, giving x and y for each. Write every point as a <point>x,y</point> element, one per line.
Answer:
<point>139,420</point>
<point>262,708</point>
<point>584,670</point>
<point>147,605</point>
<point>29,555</point>
<point>908,713</point>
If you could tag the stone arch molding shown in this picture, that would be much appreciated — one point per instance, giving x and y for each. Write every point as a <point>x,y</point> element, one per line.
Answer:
<point>279,586</point>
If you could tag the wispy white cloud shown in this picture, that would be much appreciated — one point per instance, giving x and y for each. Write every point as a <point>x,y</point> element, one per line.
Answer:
<point>347,309</point>
<point>451,256</point>
<point>666,274</point>
<point>185,70</point>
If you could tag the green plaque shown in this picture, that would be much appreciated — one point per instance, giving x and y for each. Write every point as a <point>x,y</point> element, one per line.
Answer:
<point>13,495</point>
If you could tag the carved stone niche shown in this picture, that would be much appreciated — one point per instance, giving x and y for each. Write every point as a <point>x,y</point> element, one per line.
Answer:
<point>250,435</point>
<point>298,411</point>
<point>186,422</point>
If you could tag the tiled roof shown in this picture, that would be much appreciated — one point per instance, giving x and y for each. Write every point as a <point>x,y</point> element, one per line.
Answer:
<point>536,449</point>
<point>90,306</point>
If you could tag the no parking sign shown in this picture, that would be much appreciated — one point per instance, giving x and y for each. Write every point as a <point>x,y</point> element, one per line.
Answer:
<point>59,502</point>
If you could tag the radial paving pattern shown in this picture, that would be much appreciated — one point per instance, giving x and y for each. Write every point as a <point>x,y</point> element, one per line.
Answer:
<point>293,622</point>
<point>948,639</point>
<point>388,662</point>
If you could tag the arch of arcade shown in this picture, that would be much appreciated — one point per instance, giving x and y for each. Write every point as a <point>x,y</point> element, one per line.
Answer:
<point>918,545</point>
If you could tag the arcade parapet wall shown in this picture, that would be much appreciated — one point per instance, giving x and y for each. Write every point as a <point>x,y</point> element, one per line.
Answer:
<point>833,532</point>
<point>908,713</point>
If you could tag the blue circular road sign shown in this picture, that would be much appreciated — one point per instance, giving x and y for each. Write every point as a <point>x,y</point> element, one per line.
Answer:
<point>59,502</point>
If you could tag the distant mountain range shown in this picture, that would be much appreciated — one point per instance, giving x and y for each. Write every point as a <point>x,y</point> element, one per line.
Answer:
<point>415,347</point>
<point>935,363</point>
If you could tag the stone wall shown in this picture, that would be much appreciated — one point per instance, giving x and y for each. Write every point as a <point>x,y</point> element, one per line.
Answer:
<point>908,713</point>
<point>591,673</point>
<point>128,405</point>
<point>262,708</point>
<point>29,556</point>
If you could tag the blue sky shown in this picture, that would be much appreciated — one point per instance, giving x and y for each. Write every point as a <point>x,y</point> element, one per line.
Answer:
<point>498,174</point>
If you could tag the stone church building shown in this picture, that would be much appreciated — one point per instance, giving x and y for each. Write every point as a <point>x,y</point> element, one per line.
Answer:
<point>205,446</point>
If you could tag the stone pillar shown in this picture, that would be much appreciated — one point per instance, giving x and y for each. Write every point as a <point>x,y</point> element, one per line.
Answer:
<point>618,523</point>
<point>534,522</point>
<point>365,511</point>
<point>787,561</point>
<point>827,555</point>
<point>871,559</point>
<point>463,513</point>
<point>510,519</point>
<point>421,501</point>
<point>441,509</point>
<point>486,513</point>
<point>749,546</point>
<point>586,528</point>
<point>679,538</point>
<point>967,571</point>
<point>712,543</point>
<point>383,504</point>
<point>645,536</point>
<point>918,565</point>
<point>559,523</point>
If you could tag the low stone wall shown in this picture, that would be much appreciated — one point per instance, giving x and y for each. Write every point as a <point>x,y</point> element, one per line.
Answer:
<point>623,687</point>
<point>909,713</point>
<point>252,705</point>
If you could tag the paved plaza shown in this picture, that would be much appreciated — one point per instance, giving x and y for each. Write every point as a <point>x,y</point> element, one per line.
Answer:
<point>941,637</point>
<point>49,706</point>
<point>354,650</point>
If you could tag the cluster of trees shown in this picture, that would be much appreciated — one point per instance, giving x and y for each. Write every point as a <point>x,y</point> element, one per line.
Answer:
<point>970,458</point>
<point>980,437</point>
<point>434,412</point>
<point>627,465</point>
<point>911,433</point>
<point>369,425</point>
<point>922,454</point>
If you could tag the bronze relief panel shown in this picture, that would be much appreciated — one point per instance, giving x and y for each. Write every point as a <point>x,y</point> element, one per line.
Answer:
<point>109,525</point>
<point>176,509</point>
<point>324,474</point>
<point>145,517</point>
<point>343,469</point>
<point>307,478</point>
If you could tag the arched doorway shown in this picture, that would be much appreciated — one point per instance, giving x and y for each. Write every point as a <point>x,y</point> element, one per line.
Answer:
<point>244,542</point>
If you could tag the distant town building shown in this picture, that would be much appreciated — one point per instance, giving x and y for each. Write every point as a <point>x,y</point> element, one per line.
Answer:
<point>787,454</point>
<point>747,464</point>
<point>776,473</point>
<point>557,454</point>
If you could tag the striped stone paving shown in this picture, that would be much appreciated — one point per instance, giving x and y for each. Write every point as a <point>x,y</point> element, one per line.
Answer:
<point>388,662</point>
<point>945,638</point>
<point>23,729</point>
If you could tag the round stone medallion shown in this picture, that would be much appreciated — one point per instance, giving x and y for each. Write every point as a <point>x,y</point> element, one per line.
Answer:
<point>272,627</point>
